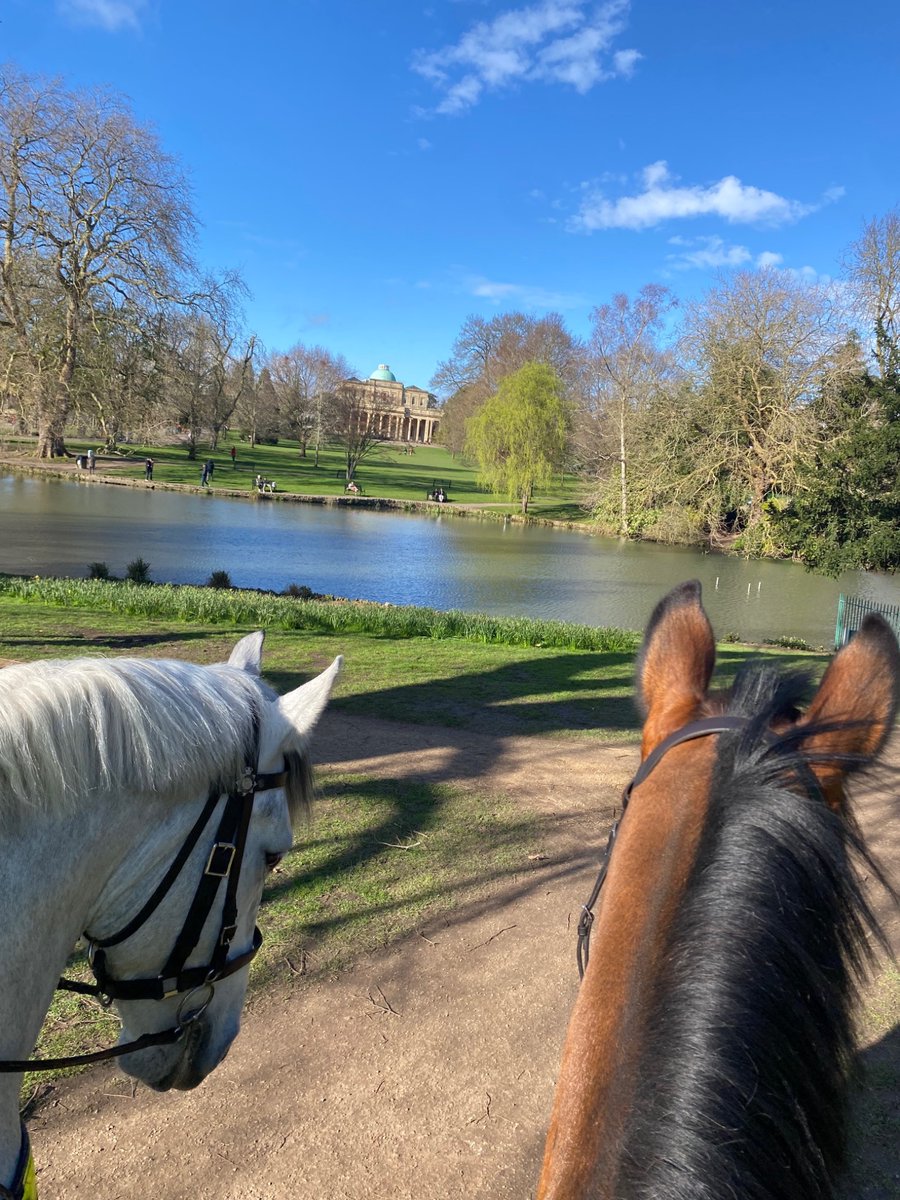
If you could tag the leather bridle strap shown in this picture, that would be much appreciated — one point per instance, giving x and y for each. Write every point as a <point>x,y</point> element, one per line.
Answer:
<point>167,880</point>
<point>696,729</point>
<point>224,862</point>
<point>15,1066</point>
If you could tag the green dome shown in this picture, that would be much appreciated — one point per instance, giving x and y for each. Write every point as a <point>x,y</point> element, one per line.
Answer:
<point>384,373</point>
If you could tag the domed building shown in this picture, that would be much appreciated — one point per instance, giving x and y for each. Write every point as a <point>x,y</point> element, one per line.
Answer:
<point>397,411</point>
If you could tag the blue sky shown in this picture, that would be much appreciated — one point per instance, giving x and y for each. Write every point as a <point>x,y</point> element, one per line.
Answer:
<point>378,171</point>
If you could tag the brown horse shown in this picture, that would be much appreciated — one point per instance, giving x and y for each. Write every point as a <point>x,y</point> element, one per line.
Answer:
<point>708,1051</point>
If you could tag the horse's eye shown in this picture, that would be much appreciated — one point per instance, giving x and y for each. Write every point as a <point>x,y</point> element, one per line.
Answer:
<point>272,861</point>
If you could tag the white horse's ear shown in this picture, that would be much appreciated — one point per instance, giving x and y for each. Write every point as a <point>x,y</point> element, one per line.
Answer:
<point>247,654</point>
<point>303,706</point>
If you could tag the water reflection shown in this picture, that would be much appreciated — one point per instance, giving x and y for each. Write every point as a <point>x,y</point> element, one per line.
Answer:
<point>47,527</point>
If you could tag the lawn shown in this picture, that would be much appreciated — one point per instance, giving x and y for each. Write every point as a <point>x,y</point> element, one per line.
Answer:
<point>388,473</point>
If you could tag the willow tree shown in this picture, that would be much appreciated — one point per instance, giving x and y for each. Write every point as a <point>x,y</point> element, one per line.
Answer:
<point>519,435</point>
<point>91,209</point>
<point>486,351</point>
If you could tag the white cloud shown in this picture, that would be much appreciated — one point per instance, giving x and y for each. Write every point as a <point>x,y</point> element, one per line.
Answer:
<point>552,41</point>
<point>423,143</point>
<point>111,15</point>
<point>710,253</point>
<point>521,293</point>
<point>662,199</point>
<point>707,252</point>
<point>815,278</point>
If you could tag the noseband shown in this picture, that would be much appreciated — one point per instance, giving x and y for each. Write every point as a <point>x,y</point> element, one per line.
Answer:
<point>224,862</point>
<point>696,729</point>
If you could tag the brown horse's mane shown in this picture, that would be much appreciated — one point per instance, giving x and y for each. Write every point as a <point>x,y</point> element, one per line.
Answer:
<point>749,1042</point>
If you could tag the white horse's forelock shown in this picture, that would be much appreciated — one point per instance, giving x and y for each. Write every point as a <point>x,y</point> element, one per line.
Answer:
<point>71,729</point>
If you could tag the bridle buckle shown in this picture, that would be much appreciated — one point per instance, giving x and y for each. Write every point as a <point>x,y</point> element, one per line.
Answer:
<point>220,859</point>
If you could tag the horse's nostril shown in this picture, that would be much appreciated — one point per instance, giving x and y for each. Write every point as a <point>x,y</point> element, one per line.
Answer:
<point>272,861</point>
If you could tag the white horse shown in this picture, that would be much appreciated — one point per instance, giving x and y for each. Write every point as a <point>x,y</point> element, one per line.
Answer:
<point>113,776</point>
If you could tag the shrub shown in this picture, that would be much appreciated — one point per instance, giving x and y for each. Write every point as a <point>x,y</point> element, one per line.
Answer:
<point>788,643</point>
<point>299,591</point>
<point>138,571</point>
<point>98,570</point>
<point>219,579</point>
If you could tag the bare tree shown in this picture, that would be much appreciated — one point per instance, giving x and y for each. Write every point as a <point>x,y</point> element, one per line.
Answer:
<point>873,265</point>
<point>306,377</point>
<point>231,371</point>
<point>763,345</point>
<point>626,365</point>
<point>119,383</point>
<point>349,425</point>
<point>257,408</point>
<point>87,194</point>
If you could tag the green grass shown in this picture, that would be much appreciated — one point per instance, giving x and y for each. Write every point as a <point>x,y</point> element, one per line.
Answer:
<point>509,686</point>
<point>267,611</point>
<point>387,473</point>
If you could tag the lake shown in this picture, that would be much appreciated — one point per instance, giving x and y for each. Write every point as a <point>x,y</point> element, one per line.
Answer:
<point>54,528</point>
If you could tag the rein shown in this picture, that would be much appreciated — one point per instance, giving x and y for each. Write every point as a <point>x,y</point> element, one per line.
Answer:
<point>696,729</point>
<point>224,862</point>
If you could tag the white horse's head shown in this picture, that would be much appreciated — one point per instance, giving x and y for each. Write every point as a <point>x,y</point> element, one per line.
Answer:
<point>284,727</point>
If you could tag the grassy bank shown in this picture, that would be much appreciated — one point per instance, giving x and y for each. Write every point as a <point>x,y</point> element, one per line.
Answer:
<point>266,611</point>
<point>388,473</point>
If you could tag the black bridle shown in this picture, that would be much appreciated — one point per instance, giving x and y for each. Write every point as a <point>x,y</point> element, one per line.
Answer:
<point>696,729</point>
<point>224,862</point>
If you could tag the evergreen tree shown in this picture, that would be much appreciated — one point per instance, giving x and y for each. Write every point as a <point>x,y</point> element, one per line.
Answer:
<point>847,514</point>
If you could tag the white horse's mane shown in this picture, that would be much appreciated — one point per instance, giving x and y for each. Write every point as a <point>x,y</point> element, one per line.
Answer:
<point>71,728</point>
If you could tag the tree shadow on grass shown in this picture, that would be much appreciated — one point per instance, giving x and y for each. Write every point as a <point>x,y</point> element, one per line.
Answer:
<point>550,694</point>
<point>415,855</point>
<point>87,639</point>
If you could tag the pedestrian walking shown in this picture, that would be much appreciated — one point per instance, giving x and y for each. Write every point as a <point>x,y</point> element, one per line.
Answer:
<point>148,468</point>
<point>92,460</point>
<point>233,457</point>
<point>204,475</point>
<point>210,467</point>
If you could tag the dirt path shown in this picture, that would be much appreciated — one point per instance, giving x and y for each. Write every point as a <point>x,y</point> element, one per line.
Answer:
<point>424,1072</point>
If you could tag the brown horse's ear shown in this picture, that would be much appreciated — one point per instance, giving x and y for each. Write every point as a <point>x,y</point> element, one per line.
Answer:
<point>855,706</point>
<point>675,663</point>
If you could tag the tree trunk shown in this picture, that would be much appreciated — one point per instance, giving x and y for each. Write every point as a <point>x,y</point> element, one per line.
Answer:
<point>51,443</point>
<point>623,489</point>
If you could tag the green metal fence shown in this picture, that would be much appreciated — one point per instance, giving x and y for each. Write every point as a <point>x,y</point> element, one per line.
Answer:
<point>852,610</point>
